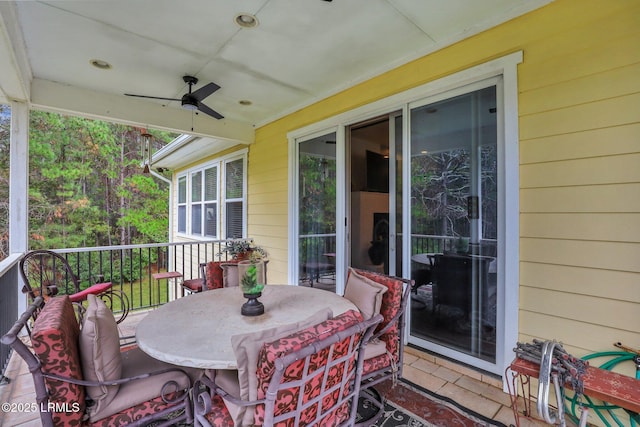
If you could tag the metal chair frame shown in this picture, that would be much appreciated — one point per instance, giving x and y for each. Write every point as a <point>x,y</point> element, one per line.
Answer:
<point>47,273</point>
<point>347,389</point>
<point>12,338</point>
<point>392,371</point>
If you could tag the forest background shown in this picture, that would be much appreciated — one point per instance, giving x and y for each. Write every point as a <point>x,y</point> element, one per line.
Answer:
<point>86,186</point>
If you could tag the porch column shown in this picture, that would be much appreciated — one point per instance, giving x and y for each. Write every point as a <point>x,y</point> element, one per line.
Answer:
<point>19,186</point>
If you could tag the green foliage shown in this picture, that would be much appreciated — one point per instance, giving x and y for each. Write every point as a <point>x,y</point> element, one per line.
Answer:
<point>249,281</point>
<point>86,186</point>
<point>146,200</point>
<point>317,195</point>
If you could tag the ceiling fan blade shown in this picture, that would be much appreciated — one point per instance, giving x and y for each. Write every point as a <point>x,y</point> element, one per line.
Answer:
<point>205,91</point>
<point>209,111</point>
<point>151,97</point>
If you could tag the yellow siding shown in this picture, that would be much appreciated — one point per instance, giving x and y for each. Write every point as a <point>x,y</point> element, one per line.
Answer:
<point>619,140</point>
<point>579,127</point>
<point>602,283</point>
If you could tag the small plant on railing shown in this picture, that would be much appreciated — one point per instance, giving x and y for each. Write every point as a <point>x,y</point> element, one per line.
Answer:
<point>244,249</point>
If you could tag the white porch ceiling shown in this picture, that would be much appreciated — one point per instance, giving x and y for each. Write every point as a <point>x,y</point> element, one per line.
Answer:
<point>301,51</point>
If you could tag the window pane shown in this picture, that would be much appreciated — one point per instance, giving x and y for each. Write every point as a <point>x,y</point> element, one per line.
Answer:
<point>211,183</point>
<point>182,219</point>
<point>211,220</point>
<point>196,219</point>
<point>317,199</point>
<point>234,177</point>
<point>317,191</point>
<point>234,220</point>
<point>454,223</point>
<point>196,187</point>
<point>182,189</point>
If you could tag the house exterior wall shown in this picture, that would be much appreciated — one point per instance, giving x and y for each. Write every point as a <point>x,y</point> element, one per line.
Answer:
<point>579,125</point>
<point>192,258</point>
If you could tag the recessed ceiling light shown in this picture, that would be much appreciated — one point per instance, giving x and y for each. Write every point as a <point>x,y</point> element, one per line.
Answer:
<point>99,63</point>
<point>246,20</point>
<point>244,102</point>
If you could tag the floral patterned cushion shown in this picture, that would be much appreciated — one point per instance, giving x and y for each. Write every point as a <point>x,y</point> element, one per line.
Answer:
<point>287,399</point>
<point>135,413</point>
<point>391,301</point>
<point>55,342</point>
<point>219,416</point>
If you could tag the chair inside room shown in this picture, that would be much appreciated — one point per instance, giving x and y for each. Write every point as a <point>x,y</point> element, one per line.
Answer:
<point>309,377</point>
<point>384,352</point>
<point>454,276</point>
<point>48,273</point>
<point>81,377</point>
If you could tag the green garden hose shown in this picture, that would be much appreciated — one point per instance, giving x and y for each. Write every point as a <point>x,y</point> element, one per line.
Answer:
<point>600,409</point>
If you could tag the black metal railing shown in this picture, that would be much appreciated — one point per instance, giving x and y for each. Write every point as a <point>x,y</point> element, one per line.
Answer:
<point>8,305</point>
<point>423,243</point>
<point>131,268</point>
<point>316,256</point>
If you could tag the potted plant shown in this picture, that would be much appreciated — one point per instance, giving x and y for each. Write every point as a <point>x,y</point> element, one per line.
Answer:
<point>242,249</point>
<point>252,282</point>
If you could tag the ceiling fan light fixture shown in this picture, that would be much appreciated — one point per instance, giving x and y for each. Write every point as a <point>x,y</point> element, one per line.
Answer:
<point>246,20</point>
<point>189,106</point>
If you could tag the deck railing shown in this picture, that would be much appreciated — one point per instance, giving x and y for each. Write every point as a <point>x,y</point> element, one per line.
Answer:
<point>131,268</point>
<point>8,305</point>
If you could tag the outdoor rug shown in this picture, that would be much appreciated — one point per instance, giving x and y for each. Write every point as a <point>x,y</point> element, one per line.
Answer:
<point>410,405</point>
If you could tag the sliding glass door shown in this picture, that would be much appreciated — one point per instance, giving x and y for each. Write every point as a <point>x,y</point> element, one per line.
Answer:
<point>427,189</point>
<point>454,223</point>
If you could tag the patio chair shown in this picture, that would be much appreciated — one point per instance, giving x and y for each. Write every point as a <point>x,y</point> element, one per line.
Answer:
<point>82,378</point>
<point>215,275</point>
<point>310,377</point>
<point>385,350</point>
<point>47,273</point>
<point>195,285</point>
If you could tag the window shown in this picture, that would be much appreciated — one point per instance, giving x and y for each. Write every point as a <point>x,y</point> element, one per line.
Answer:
<point>216,199</point>
<point>182,204</point>
<point>234,198</point>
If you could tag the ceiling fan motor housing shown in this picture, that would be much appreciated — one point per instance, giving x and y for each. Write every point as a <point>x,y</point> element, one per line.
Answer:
<point>189,102</point>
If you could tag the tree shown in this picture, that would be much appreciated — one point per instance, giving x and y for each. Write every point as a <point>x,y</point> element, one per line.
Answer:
<point>86,187</point>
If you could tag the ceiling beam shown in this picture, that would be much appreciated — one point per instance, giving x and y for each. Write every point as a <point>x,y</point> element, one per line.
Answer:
<point>51,96</point>
<point>15,72</point>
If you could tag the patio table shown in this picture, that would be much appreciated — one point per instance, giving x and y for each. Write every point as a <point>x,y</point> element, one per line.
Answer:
<point>195,331</point>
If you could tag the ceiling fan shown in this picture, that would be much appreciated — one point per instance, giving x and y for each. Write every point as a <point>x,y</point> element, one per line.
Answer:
<point>192,100</point>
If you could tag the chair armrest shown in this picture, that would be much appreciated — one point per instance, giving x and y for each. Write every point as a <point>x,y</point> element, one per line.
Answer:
<point>86,383</point>
<point>209,390</point>
<point>403,306</point>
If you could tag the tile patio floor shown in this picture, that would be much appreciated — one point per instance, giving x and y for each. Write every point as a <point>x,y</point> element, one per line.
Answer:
<point>478,392</point>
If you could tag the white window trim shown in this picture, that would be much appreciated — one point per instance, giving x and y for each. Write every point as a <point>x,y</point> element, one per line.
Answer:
<point>220,163</point>
<point>222,211</point>
<point>508,206</point>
